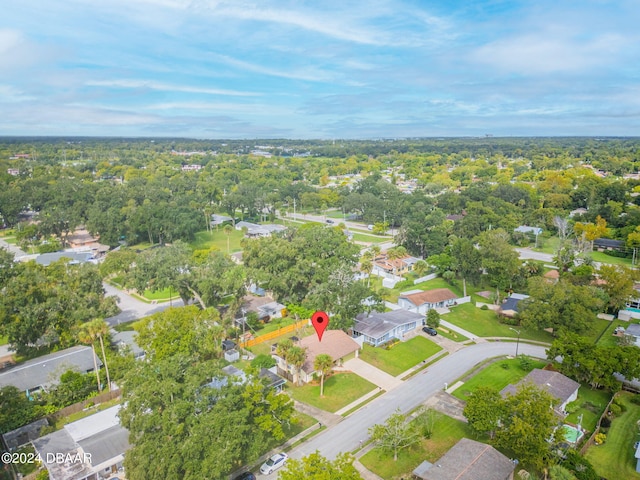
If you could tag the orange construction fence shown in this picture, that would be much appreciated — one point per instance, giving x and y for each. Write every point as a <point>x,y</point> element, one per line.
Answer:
<point>276,333</point>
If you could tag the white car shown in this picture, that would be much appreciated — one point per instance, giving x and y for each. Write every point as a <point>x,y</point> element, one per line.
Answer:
<point>369,227</point>
<point>274,463</point>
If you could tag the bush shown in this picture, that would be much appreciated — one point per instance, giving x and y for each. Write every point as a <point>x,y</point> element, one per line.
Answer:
<point>635,399</point>
<point>484,307</point>
<point>600,438</point>
<point>263,361</point>
<point>615,409</point>
<point>572,406</point>
<point>505,366</point>
<point>605,423</point>
<point>526,363</point>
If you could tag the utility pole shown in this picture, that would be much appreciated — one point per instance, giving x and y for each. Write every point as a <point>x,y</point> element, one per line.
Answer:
<point>518,340</point>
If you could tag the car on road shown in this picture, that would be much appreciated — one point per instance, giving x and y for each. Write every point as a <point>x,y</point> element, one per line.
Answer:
<point>246,476</point>
<point>274,463</point>
<point>329,221</point>
<point>430,331</point>
<point>369,227</point>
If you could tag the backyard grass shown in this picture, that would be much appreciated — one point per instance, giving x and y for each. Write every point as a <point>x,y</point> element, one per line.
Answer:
<point>401,357</point>
<point>4,339</point>
<point>615,459</point>
<point>496,375</point>
<point>10,240</point>
<point>608,339</point>
<point>447,432</point>
<point>265,347</point>
<point>217,238</point>
<point>484,323</point>
<point>546,245</point>
<point>597,329</point>
<point>340,390</point>
<point>592,404</point>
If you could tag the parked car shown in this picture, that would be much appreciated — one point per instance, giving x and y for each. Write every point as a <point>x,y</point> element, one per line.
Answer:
<point>430,331</point>
<point>330,221</point>
<point>246,476</point>
<point>369,227</point>
<point>274,463</point>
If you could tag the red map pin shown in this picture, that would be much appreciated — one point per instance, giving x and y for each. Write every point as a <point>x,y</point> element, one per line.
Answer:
<point>320,321</point>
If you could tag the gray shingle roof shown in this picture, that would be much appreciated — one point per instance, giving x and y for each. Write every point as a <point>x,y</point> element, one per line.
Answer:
<point>46,370</point>
<point>376,324</point>
<point>468,460</point>
<point>633,329</point>
<point>558,385</point>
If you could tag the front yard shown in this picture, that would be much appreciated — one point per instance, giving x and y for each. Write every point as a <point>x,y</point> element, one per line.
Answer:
<point>484,323</point>
<point>615,459</point>
<point>401,357</point>
<point>496,375</point>
<point>340,389</point>
<point>447,432</point>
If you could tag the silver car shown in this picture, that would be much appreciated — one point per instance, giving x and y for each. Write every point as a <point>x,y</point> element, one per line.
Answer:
<point>274,463</point>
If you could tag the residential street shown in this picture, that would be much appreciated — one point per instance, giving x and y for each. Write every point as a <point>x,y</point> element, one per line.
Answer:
<point>132,308</point>
<point>346,435</point>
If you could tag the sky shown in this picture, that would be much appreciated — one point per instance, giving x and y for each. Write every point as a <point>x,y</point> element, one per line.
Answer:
<point>214,69</point>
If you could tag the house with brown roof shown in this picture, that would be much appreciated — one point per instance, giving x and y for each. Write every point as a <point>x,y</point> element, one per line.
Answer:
<point>383,265</point>
<point>558,385</point>
<point>335,343</point>
<point>421,301</point>
<point>81,238</point>
<point>468,460</point>
<point>377,328</point>
<point>552,276</point>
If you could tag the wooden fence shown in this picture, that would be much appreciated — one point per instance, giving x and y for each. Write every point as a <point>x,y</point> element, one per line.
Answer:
<point>77,407</point>
<point>276,333</point>
<point>592,438</point>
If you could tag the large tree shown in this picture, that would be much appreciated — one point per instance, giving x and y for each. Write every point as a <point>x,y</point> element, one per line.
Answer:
<point>316,467</point>
<point>395,434</point>
<point>527,425</point>
<point>484,410</point>
<point>499,259</point>
<point>560,306</point>
<point>618,283</point>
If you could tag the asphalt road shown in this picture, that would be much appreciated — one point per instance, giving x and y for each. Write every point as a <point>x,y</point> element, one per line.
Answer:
<point>132,308</point>
<point>346,435</point>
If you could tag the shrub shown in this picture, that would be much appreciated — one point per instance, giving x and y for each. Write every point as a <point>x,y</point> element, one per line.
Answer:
<point>600,438</point>
<point>484,307</point>
<point>635,399</point>
<point>605,423</point>
<point>263,361</point>
<point>526,363</point>
<point>505,366</point>
<point>615,409</point>
<point>572,406</point>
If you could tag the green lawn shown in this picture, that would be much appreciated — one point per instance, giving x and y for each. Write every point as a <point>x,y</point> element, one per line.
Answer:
<point>604,258</point>
<point>615,459</point>
<point>608,339</point>
<point>401,357</point>
<point>217,238</point>
<point>10,240</point>
<point>592,404</point>
<point>451,335</point>
<point>340,390</point>
<point>4,339</point>
<point>447,433</point>
<point>363,237</point>
<point>265,347</point>
<point>597,329</point>
<point>497,376</point>
<point>547,245</point>
<point>484,323</point>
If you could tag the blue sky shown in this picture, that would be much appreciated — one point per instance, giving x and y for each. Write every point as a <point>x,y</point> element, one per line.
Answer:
<point>319,69</point>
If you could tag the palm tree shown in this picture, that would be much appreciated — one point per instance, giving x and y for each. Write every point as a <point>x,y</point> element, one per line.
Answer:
<point>297,357</point>
<point>421,267</point>
<point>99,328</point>
<point>85,335</point>
<point>282,350</point>
<point>228,229</point>
<point>323,364</point>
<point>366,265</point>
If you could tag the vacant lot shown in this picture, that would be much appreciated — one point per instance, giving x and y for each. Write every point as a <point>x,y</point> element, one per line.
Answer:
<point>496,375</point>
<point>401,357</point>
<point>340,390</point>
<point>615,459</point>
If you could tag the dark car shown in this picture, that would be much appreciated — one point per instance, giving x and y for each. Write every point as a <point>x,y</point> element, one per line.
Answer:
<point>330,221</point>
<point>430,331</point>
<point>246,476</point>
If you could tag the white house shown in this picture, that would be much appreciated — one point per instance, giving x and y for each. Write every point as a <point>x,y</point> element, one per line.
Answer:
<point>558,385</point>
<point>421,301</point>
<point>377,328</point>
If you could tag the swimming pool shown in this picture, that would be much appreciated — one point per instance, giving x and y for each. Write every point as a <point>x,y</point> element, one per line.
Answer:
<point>571,434</point>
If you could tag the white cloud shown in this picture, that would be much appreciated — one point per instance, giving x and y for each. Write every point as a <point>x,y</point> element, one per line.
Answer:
<point>153,85</point>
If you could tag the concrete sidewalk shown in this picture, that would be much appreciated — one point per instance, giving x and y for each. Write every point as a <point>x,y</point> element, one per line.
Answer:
<point>372,374</point>
<point>461,331</point>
